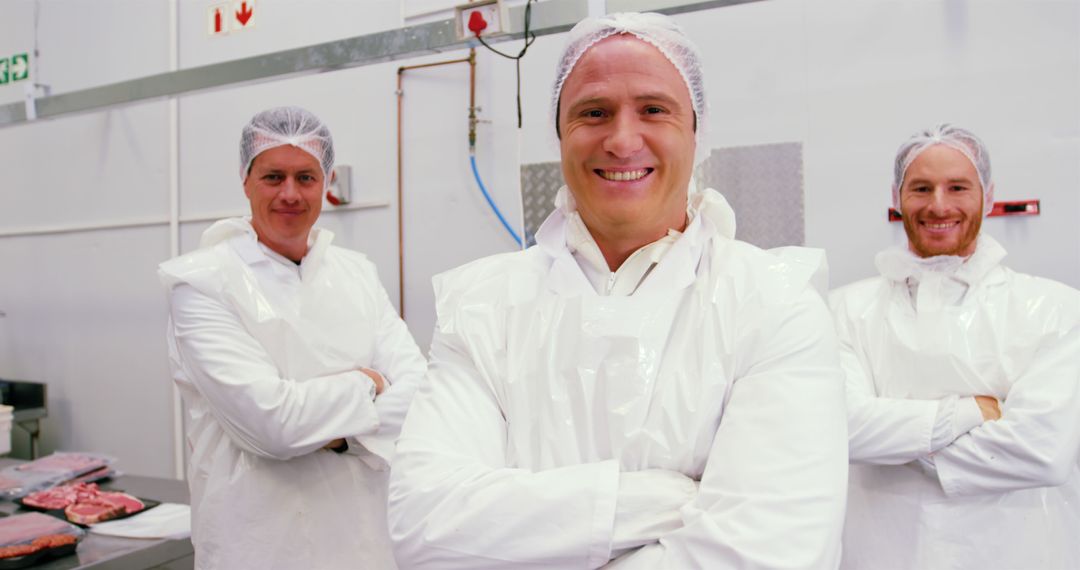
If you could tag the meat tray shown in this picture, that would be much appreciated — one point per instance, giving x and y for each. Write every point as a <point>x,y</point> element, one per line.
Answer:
<point>59,513</point>
<point>33,530</point>
<point>20,480</point>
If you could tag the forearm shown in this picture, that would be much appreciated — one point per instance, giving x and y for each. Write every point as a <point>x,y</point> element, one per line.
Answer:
<point>450,513</point>
<point>455,501</point>
<point>648,506</point>
<point>774,488</point>
<point>261,412</point>
<point>1036,442</point>
<point>281,418</point>
<point>894,431</point>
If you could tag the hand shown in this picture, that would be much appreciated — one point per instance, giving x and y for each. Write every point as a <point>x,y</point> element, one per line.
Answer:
<point>380,383</point>
<point>989,406</point>
<point>336,444</point>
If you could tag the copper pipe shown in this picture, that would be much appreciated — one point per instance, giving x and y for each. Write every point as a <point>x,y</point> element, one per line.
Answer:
<point>471,60</point>
<point>402,69</point>
<point>472,100</point>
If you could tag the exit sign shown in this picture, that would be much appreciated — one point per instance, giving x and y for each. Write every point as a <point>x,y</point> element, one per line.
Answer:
<point>15,68</point>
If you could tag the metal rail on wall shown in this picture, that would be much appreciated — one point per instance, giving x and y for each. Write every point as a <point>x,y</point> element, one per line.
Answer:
<point>549,17</point>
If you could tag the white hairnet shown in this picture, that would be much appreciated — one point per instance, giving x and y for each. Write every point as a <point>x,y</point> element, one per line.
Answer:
<point>957,138</point>
<point>287,125</point>
<point>659,31</point>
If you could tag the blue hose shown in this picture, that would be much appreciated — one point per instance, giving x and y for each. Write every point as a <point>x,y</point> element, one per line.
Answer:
<point>513,234</point>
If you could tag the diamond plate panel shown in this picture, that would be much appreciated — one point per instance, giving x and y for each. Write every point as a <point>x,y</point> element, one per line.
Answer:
<point>764,185</point>
<point>539,184</point>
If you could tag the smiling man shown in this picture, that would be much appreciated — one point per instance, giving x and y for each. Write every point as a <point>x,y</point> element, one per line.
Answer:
<point>295,370</point>
<point>963,385</point>
<point>638,390</point>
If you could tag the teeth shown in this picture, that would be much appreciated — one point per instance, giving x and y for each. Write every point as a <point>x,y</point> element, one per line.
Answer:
<point>939,226</point>
<point>625,175</point>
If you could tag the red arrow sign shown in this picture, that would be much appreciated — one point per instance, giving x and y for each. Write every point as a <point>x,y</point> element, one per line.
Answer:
<point>244,14</point>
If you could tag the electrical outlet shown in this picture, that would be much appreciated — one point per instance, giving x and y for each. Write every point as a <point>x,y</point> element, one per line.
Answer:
<point>486,16</point>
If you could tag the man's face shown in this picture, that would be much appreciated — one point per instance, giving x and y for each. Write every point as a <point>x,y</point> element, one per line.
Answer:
<point>941,203</point>
<point>284,186</point>
<point>627,139</point>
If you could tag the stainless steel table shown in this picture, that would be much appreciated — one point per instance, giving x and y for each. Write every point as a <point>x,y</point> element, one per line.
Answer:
<point>113,553</point>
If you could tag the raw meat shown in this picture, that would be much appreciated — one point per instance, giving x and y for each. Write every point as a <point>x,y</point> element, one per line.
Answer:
<point>62,496</point>
<point>85,503</point>
<point>93,511</point>
<point>18,550</point>
<point>131,504</point>
<point>102,507</point>
<point>40,543</point>
<point>65,462</point>
<point>25,527</point>
<point>28,533</point>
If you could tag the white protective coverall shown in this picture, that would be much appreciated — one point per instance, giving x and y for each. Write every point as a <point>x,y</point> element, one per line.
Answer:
<point>721,366</point>
<point>265,354</point>
<point>1005,495</point>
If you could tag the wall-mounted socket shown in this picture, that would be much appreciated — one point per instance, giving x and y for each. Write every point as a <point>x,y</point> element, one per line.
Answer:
<point>488,17</point>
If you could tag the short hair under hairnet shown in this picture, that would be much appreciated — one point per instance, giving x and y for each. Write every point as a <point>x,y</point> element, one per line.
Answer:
<point>280,126</point>
<point>953,137</point>
<point>656,29</point>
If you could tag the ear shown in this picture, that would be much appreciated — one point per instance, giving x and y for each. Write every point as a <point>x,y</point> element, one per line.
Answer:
<point>988,200</point>
<point>896,197</point>
<point>333,177</point>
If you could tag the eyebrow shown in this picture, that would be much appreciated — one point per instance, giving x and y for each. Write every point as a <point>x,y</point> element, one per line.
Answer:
<point>646,97</point>
<point>920,180</point>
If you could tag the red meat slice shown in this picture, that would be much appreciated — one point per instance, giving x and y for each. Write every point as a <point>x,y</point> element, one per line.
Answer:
<point>130,504</point>
<point>102,507</point>
<point>93,511</point>
<point>62,496</point>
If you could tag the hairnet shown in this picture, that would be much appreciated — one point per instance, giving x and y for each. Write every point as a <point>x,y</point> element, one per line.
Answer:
<point>287,125</point>
<point>659,31</point>
<point>957,138</point>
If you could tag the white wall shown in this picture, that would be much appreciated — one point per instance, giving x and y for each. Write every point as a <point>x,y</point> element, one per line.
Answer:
<point>80,307</point>
<point>850,80</point>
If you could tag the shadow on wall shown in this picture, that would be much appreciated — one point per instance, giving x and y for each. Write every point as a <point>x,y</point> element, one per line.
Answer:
<point>763,184</point>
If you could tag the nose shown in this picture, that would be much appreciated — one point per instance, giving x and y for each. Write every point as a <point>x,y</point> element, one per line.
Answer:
<point>290,190</point>
<point>625,139</point>
<point>938,201</point>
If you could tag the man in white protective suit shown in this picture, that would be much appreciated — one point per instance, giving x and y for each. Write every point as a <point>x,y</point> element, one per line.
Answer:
<point>963,381</point>
<point>638,390</point>
<point>294,367</point>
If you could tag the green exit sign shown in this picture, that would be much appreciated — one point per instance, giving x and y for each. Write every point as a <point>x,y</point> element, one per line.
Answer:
<point>20,66</point>
<point>15,68</point>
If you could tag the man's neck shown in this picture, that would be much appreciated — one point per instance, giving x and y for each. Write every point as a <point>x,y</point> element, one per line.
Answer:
<point>292,250</point>
<point>617,248</point>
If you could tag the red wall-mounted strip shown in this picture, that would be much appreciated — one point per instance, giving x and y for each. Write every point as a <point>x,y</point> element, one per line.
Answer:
<point>1014,208</point>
